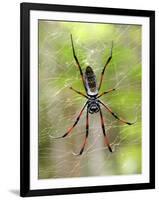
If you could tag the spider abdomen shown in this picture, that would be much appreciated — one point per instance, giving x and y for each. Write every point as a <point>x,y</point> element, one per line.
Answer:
<point>90,80</point>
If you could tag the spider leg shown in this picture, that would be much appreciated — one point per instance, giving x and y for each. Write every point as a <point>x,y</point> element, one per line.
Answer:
<point>78,64</point>
<point>86,137</point>
<point>107,62</point>
<point>104,133</point>
<point>79,92</point>
<point>114,115</point>
<point>106,92</point>
<point>75,123</point>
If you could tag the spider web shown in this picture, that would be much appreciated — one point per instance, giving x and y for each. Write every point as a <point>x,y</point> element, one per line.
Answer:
<point>59,106</point>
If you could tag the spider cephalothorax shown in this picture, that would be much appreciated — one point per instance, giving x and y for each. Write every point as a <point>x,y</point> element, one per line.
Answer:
<point>93,102</point>
<point>93,106</point>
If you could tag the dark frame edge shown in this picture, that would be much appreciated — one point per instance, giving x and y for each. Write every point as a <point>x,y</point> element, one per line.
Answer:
<point>86,9</point>
<point>24,102</point>
<point>152,98</point>
<point>92,189</point>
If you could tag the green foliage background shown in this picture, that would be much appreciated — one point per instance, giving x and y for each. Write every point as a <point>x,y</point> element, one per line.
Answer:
<point>59,106</point>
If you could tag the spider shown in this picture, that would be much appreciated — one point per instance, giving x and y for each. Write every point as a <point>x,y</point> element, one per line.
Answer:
<point>93,103</point>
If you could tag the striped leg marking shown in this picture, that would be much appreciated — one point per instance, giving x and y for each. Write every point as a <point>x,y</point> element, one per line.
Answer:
<point>79,92</point>
<point>77,62</point>
<point>103,93</point>
<point>114,115</point>
<point>86,137</point>
<point>75,123</point>
<point>105,136</point>
<point>107,62</point>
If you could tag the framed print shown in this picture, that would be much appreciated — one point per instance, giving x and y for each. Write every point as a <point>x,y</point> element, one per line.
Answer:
<point>87,99</point>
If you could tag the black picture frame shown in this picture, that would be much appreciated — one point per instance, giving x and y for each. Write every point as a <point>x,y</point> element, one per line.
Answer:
<point>25,9</point>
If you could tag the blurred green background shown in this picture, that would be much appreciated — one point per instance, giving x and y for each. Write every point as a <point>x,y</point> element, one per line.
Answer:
<point>59,106</point>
